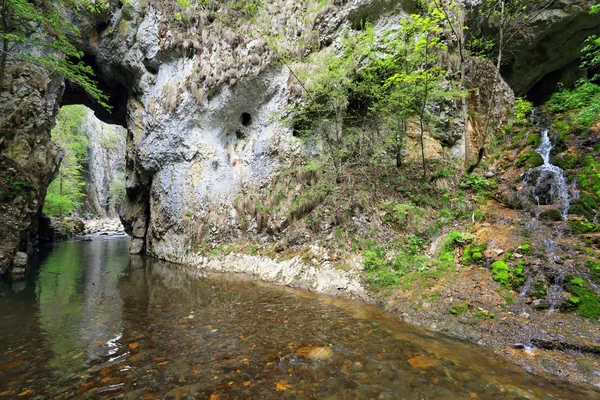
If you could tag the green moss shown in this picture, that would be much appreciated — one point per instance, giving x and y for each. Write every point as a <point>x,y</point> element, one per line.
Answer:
<point>484,315</point>
<point>473,254</point>
<point>534,139</point>
<point>590,201</point>
<point>529,159</point>
<point>574,300</point>
<point>550,215</point>
<point>460,308</point>
<point>588,304</point>
<point>526,247</point>
<point>540,289</point>
<point>594,267</point>
<point>565,162</point>
<point>509,277</point>
<point>580,227</point>
<point>501,273</point>
<point>589,177</point>
<point>579,207</point>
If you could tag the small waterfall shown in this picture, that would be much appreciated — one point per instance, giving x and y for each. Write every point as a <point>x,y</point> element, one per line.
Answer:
<point>550,186</point>
<point>555,291</point>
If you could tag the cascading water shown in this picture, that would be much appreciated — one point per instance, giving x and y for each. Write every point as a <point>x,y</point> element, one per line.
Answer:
<point>550,186</point>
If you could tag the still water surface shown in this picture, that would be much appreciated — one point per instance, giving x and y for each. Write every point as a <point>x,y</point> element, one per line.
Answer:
<point>94,322</point>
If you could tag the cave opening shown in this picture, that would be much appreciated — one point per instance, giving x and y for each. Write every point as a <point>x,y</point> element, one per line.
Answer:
<point>245,119</point>
<point>90,182</point>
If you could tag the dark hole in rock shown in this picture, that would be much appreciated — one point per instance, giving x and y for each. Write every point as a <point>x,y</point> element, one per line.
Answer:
<point>100,27</point>
<point>245,119</point>
<point>239,134</point>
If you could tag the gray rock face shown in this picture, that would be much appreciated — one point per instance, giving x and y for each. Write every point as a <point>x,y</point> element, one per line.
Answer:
<point>106,163</point>
<point>551,42</point>
<point>29,103</point>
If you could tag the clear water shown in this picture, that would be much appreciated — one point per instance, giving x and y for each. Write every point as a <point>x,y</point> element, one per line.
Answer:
<point>95,323</point>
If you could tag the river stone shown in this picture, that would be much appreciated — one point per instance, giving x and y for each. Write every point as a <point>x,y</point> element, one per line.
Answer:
<point>315,353</point>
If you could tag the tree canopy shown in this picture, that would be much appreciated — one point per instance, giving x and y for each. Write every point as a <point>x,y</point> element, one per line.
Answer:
<point>40,25</point>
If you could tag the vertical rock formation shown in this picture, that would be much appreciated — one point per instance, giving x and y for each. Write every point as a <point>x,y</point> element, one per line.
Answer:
<point>29,102</point>
<point>106,164</point>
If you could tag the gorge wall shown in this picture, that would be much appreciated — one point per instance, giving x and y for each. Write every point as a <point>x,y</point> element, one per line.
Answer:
<point>105,165</point>
<point>202,99</point>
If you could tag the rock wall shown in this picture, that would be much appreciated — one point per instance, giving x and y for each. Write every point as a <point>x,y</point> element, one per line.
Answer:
<point>29,102</point>
<point>551,42</point>
<point>199,96</point>
<point>106,163</point>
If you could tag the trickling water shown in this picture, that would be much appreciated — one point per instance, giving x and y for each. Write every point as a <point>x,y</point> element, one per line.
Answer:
<point>555,290</point>
<point>551,184</point>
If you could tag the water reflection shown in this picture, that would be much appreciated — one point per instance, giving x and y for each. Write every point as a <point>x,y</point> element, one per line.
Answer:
<point>100,324</point>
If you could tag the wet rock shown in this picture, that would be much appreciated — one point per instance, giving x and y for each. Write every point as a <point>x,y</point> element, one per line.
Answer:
<point>17,271</point>
<point>315,353</point>
<point>20,260</point>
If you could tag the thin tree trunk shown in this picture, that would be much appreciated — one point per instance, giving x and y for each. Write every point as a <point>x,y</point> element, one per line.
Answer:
<point>3,58</point>
<point>423,106</point>
<point>5,43</point>
<point>492,102</point>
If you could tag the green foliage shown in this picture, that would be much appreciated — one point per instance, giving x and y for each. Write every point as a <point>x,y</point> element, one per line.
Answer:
<point>594,267</point>
<point>247,7</point>
<point>44,28</point>
<point>582,227</point>
<point>522,111</point>
<point>477,183</point>
<point>11,189</point>
<point>66,192</point>
<point>394,79</point>
<point>582,104</point>
<point>589,177</point>
<point>551,215</point>
<point>473,254</point>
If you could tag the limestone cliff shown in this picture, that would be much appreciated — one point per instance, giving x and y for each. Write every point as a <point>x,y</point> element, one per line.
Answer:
<point>105,164</point>
<point>29,160</point>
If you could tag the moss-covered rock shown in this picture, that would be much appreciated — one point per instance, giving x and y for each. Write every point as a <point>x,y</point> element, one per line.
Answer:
<point>585,299</point>
<point>534,140</point>
<point>529,159</point>
<point>589,200</point>
<point>580,227</point>
<point>510,277</point>
<point>526,248</point>
<point>580,207</point>
<point>501,273</point>
<point>565,161</point>
<point>550,215</point>
<point>594,267</point>
<point>473,254</point>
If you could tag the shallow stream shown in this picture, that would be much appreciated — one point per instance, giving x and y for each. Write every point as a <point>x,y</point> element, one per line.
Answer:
<point>95,322</point>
